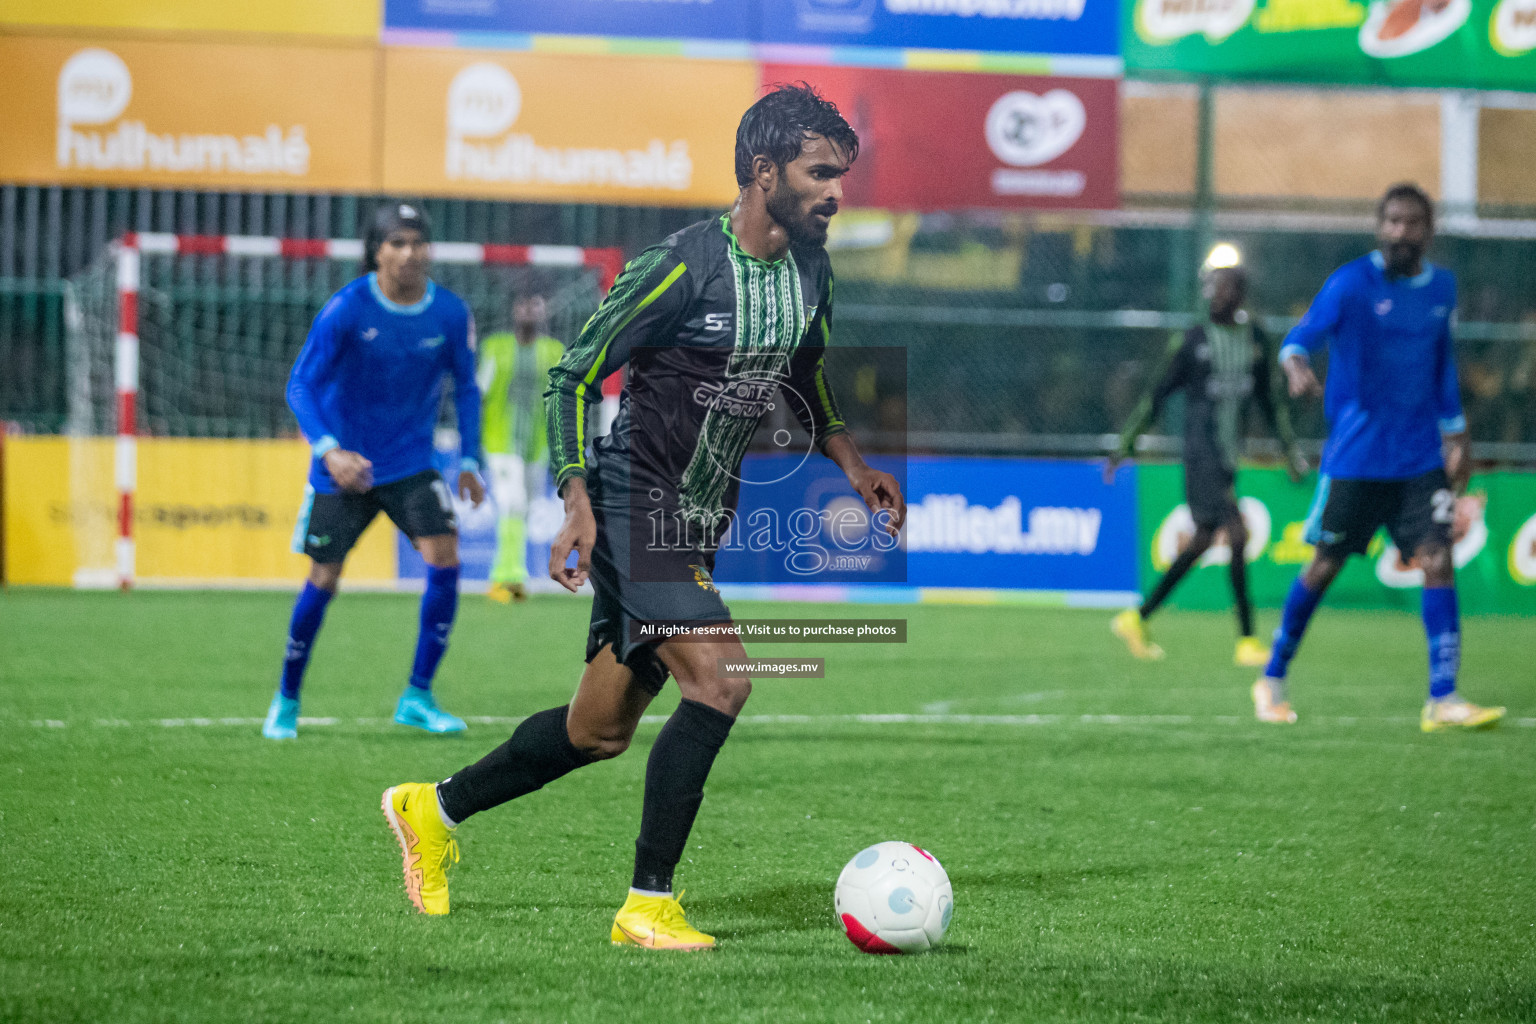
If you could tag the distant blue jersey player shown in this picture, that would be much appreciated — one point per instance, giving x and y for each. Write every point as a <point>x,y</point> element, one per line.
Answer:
<point>366,391</point>
<point>1397,453</point>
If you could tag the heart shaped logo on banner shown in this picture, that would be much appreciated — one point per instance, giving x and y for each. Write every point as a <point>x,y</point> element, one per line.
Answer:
<point>1026,130</point>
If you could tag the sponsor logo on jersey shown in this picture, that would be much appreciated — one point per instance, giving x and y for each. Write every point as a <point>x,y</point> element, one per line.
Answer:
<point>370,334</point>
<point>433,342</point>
<point>744,398</point>
<point>1383,307</point>
<point>717,321</point>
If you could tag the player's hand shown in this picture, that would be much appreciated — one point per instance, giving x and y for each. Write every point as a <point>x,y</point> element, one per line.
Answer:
<point>1458,461</point>
<point>350,470</point>
<point>578,533</point>
<point>1297,468</point>
<point>1111,464</point>
<point>880,491</point>
<point>471,488</point>
<point>1300,380</point>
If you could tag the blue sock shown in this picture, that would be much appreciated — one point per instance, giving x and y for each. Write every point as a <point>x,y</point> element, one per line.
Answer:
<point>438,605</point>
<point>1300,603</point>
<point>308,613</point>
<point>1443,628</point>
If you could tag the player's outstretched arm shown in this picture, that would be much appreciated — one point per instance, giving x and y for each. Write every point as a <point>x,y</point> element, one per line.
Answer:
<point>879,489</point>
<point>578,533</point>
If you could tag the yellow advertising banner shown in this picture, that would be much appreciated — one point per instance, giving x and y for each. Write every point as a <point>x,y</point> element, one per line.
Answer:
<point>563,127</point>
<point>206,512</point>
<point>355,19</point>
<point>221,115</point>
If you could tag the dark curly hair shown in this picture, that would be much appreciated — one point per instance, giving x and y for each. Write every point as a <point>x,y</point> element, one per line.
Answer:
<point>1406,190</point>
<point>776,126</point>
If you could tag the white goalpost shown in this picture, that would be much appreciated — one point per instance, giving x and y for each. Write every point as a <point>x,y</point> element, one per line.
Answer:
<point>192,337</point>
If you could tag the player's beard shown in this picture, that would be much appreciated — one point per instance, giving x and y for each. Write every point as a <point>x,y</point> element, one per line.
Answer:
<point>1402,257</point>
<point>785,206</point>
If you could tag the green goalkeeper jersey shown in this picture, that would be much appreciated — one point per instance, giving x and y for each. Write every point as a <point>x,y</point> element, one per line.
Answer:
<point>512,379</point>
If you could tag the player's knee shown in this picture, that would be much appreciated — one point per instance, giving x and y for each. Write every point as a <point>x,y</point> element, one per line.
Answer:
<point>1435,560</point>
<point>1320,572</point>
<point>325,575</point>
<point>721,692</point>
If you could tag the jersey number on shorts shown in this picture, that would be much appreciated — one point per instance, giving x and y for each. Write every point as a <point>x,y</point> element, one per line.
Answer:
<point>1445,506</point>
<point>446,500</point>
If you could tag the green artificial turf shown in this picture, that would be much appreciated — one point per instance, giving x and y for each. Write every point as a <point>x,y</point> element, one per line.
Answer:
<point>1125,842</point>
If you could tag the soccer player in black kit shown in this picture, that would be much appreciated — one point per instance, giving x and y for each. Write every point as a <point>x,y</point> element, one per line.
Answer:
<point>1222,367</point>
<point>711,323</point>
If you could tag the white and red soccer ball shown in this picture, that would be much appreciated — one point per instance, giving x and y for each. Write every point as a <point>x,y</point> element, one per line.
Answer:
<point>894,898</point>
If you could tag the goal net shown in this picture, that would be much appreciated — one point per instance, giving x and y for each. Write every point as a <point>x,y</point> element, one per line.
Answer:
<point>176,342</point>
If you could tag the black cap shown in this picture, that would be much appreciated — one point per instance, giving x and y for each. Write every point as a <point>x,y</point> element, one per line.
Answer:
<point>392,217</point>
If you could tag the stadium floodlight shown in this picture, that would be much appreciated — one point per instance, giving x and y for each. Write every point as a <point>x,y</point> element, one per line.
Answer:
<point>1222,256</point>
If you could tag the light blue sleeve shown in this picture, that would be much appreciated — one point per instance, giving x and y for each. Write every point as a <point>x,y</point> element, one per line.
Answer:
<point>316,360</point>
<point>1322,318</point>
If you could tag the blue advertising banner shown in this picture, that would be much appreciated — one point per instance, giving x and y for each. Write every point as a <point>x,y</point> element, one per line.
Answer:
<point>1008,26</point>
<point>978,524</point>
<point>671,19</point>
<point>798,522</point>
<point>1037,27</point>
<point>1019,524</point>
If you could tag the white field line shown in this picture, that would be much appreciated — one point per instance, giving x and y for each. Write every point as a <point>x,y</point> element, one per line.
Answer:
<point>866,719</point>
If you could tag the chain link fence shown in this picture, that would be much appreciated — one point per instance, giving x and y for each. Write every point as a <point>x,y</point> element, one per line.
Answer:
<point>976,332</point>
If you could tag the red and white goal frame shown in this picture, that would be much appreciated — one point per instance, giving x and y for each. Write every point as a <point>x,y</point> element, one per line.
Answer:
<point>129,251</point>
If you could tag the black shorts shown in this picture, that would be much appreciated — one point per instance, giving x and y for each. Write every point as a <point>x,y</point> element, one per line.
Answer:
<point>1210,487</point>
<point>637,583</point>
<point>1346,513</point>
<point>329,524</point>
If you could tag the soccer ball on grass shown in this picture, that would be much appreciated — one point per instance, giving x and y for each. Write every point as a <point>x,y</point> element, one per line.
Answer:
<point>894,898</point>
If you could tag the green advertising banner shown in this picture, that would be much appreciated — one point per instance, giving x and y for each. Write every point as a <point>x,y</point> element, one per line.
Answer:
<point>1470,44</point>
<point>1494,531</point>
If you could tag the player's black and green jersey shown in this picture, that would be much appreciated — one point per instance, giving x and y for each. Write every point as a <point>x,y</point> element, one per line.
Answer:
<point>1222,369</point>
<point>712,337</point>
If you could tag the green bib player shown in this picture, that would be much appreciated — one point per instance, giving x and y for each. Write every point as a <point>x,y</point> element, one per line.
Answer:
<point>513,372</point>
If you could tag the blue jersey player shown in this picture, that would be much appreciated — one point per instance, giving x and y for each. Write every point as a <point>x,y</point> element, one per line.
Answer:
<point>366,391</point>
<point>1397,452</point>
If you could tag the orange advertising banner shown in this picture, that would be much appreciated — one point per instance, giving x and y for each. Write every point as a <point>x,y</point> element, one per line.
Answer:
<point>566,127</point>
<point>217,115</point>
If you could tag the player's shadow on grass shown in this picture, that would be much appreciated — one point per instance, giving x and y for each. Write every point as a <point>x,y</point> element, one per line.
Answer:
<point>794,907</point>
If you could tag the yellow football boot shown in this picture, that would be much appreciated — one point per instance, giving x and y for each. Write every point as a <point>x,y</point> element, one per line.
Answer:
<point>425,842</point>
<point>1251,653</point>
<point>1455,712</point>
<point>656,922</point>
<point>1132,628</point>
<point>507,593</point>
<point>1267,707</point>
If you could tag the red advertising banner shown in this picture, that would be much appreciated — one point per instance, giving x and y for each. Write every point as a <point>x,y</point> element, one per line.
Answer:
<point>934,140</point>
